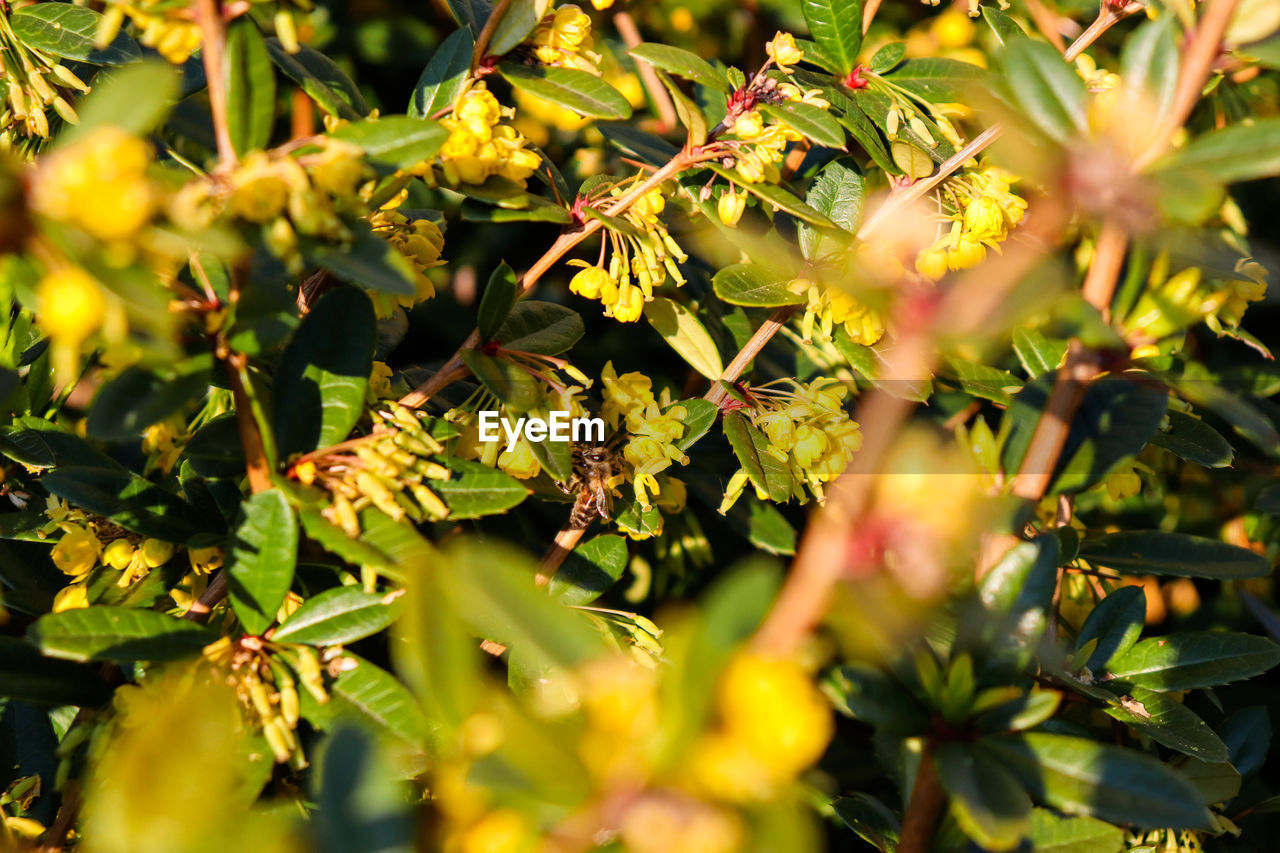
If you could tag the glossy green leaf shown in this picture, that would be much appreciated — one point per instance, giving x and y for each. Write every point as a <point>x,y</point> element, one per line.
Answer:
<point>129,501</point>
<point>69,31</point>
<point>940,80</point>
<point>395,142</point>
<point>1082,777</point>
<point>1194,659</point>
<point>476,490</point>
<point>1116,623</point>
<point>261,556</point>
<point>986,799</point>
<point>544,328</point>
<point>753,286</point>
<point>684,332</point>
<point>815,124</point>
<point>322,80</point>
<point>1194,440</point>
<point>1168,722</point>
<point>698,419</point>
<point>251,87</point>
<point>369,262</point>
<point>570,88</point>
<point>1149,64</point>
<point>1217,781</point>
<point>1039,355</point>
<point>750,446</point>
<point>338,616</point>
<point>1005,28</point>
<point>837,192</point>
<point>589,570</point>
<point>496,301</point>
<point>444,77</point>
<point>519,19</point>
<point>1159,552</point>
<point>1051,833</point>
<point>836,25</point>
<point>374,696</point>
<point>120,634</point>
<point>1046,87</point>
<point>887,57</point>
<point>870,819</point>
<point>681,63</point>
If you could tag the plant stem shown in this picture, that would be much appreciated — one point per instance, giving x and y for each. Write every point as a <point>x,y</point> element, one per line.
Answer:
<point>749,351</point>
<point>923,809</point>
<point>626,26</point>
<point>1107,17</point>
<point>486,33</point>
<point>213,33</point>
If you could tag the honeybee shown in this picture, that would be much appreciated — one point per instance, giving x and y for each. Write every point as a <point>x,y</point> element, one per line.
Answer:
<point>593,467</point>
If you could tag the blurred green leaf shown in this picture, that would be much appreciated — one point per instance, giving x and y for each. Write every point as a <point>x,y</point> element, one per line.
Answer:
<point>590,570</point>
<point>1175,554</point>
<point>1051,833</point>
<point>1046,87</point>
<point>570,88</point>
<point>27,675</point>
<point>986,799</point>
<point>1241,152</point>
<point>1149,64</point>
<point>322,80</point>
<point>251,89</point>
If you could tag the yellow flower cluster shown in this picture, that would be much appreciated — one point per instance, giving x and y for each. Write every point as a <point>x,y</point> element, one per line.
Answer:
<point>30,81</point>
<point>98,184</point>
<point>773,724</point>
<point>1184,299</point>
<point>758,146</point>
<point>420,242</point>
<point>653,425</point>
<point>262,675</point>
<point>85,544</point>
<point>807,428</point>
<point>563,37</point>
<point>479,145</point>
<point>385,470</point>
<point>641,260</point>
<point>166,25</point>
<point>985,211</point>
<point>828,306</point>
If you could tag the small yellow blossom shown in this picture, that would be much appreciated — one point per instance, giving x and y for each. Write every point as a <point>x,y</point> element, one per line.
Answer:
<point>783,51</point>
<point>77,551</point>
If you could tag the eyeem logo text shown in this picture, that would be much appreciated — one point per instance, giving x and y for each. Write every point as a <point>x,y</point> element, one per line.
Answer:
<point>558,427</point>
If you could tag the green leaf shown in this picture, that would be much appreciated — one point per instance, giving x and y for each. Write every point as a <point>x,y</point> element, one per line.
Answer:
<point>1046,87</point>
<point>914,162</point>
<point>322,80</point>
<point>767,473</point>
<point>261,555</point>
<point>129,403</point>
<point>776,196</point>
<point>836,25</point>
<point>570,88</point>
<point>338,616</point>
<point>215,449</point>
<point>251,89</point>
<point>866,694</point>
<point>1051,833</point>
<point>477,490</point>
<point>685,333</point>
<point>496,301</point>
<point>324,373</point>
<point>753,286</point>
<point>544,328</point>
<point>1149,64</point>
<point>1240,152</point>
<point>813,123</point>
<point>120,634</point>
<point>69,31</point>
<point>375,696</point>
<point>860,127</point>
<point>135,98</point>
<point>590,570</point>
<point>538,210</point>
<point>1116,623</point>
<point>1194,659</point>
<point>766,528</point>
<point>870,819</point>
<point>1168,722</point>
<point>444,77</point>
<point>129,501</point>
<point>837,193</point>
<point>362,802</point>
<point>1217,781</point>
<point>1005,28</point>
<point>681,63</point>
<point>27,675</point>
<point>699,416</point>
<point>395,142</point>
<point>1038,354</point>
<point>982,380</point>
<point>1082,777</point>
<point>369,262</point>
<point>1158,552</point>
<point>887,57</point>
<point>690,114</point>
<point>518,392</point>
<point>519,19</point>
<point>940,80</point>
<point>1194,440</point>
<point>472,14</point>
<point>1247,734</point>
<point>986,799</point>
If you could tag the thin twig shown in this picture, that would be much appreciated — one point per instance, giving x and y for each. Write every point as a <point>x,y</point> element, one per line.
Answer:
<point>566,540</point>
<point>749,351</point>
<point>626,26</point>
<point>1046,23</point>
<point>1107,18</point>
<point>923,809</point>
<point>67,814</point>
<point>213,32</point>
<point>869,9</point>
<point>486,33</point>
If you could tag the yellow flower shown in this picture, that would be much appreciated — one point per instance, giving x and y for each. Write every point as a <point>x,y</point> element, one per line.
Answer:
<point>749,125</point>
<point>783,51</point>
<point>338,168</point>
<point>205,560</point>
<point>70,304</point>
<point>156,552</point>
<point>589,281</point>
<point>984,219</point>
<point>630,304</point>
<point>809,444</point>
<point>118,554</point>
<point>519,461</point>
<point>952,29</point>
<point>770,706</point>
<point>601,5</point>
<point>77,551</point>
<point>72,597</point>
<point>731,206</point>
<point>965,251</point>
<point>499,831</point>
<point>98,184</point>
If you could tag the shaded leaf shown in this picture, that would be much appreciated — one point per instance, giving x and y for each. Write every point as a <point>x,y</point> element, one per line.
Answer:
<point>261,557</point>
<point>120,634</point>
<point>1194,659</point>
<point>1175,554</point>
<point>570,88</point>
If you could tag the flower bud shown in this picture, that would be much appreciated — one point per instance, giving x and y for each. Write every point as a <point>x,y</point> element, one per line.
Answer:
<point>731,206</point>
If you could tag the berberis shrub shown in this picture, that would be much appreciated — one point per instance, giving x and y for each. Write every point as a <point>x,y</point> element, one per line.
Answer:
<point>866,437</point>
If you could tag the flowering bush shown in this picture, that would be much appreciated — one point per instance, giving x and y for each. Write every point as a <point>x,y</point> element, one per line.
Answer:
<point>931,498</point>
